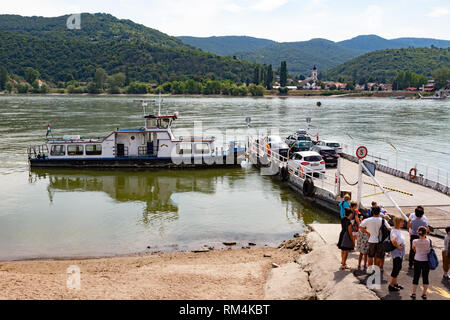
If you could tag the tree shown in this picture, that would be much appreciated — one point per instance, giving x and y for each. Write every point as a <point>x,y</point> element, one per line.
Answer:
<point>9,87</point>
<point>31,75</point>
<point>269,78</point>
<point>256,90</point>
<point>256,78</point>
<point>3,78</point>
<point>23,87</point>
<point>115,82</point>
<point>93,88</point>
<point>441,78</point>
<point>283,74</point>
<point>100,78</point>
<point>137,87</point>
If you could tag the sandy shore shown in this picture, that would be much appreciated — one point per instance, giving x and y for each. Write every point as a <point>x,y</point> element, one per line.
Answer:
<point>218,274</point>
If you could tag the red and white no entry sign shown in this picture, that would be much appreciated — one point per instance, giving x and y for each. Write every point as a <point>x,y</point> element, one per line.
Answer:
<point>361,152</point>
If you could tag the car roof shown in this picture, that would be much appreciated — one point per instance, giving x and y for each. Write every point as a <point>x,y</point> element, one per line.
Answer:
<point>324,147</point>
<point>307,153</point>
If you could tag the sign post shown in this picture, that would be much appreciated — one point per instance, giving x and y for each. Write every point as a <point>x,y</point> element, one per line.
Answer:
<point>361,153</point>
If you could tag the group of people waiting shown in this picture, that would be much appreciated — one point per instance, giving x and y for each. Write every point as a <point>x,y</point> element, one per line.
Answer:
<point>365,234</point>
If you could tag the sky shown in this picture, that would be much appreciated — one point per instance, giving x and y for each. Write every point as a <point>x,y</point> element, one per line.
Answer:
<point>279,20</point>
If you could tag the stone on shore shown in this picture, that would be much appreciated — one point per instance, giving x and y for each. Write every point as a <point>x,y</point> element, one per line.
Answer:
<point>288,282</point>
<point>199,250</point>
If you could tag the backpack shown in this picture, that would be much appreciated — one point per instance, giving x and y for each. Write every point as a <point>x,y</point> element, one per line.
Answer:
<point>384,232</point>
<point>432,258</point>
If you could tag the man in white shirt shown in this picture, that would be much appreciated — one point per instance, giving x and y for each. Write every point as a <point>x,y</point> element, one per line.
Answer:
<point>372,227</point>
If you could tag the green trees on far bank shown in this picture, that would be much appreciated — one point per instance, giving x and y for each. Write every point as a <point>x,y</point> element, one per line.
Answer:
<point>441,78</point>
<point>407,79</point>
<point>3,78</point>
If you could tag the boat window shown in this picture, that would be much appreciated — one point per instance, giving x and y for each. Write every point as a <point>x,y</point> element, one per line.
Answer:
<point>93,149</point>
<point>58,150</point>
<point>201,148</point>
<point>75,150</point>
<point>184,148</point>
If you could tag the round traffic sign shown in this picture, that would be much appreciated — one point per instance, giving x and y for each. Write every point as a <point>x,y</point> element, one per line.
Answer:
<point>361,152</point>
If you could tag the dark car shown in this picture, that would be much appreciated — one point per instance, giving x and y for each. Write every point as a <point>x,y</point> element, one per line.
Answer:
<point>328,154</point>
<point>300,145</point>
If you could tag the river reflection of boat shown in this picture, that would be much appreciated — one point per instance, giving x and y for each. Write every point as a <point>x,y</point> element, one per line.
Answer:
<point>155,189</point>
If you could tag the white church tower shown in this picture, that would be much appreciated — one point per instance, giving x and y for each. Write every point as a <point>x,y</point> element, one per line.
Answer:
<point>314,74</point>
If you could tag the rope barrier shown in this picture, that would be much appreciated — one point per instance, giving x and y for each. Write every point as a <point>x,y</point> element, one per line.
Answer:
<point>350,184</point>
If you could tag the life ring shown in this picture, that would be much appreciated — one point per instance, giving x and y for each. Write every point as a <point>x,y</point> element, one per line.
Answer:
<point>301,172</point>
<point>413,173</point>
<point>308,187</point>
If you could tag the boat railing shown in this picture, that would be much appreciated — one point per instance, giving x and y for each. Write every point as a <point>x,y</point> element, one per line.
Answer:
<point>324,180</point>
<point>37,151</point>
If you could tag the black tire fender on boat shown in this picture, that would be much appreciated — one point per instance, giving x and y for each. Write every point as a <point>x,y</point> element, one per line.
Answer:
<point>308,187</point>
<point>284,174</point>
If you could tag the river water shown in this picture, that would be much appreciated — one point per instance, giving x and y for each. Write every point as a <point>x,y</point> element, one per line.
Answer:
<point>66,213</point>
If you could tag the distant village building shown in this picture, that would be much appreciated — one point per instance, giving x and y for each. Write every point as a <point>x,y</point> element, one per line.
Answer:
<point>309,83</point>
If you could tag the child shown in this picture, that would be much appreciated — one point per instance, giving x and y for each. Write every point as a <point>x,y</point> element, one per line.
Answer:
<point>344,204</point>
<point>362,246</point>
<point>446,254</point>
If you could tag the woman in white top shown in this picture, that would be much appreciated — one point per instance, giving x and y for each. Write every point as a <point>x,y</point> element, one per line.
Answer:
<point>421,248</point>
<point>398,240</point>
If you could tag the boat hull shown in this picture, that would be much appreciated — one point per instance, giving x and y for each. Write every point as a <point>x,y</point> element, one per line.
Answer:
<point>233,159</point>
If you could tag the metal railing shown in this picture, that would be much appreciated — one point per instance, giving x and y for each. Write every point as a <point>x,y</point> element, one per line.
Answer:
<point>393,161</point>
<point>298,170</point>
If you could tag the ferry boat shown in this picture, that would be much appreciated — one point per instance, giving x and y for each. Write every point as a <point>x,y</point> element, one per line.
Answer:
<point>152,146</point>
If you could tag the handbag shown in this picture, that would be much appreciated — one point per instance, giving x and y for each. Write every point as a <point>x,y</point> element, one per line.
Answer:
<point>432,258</point>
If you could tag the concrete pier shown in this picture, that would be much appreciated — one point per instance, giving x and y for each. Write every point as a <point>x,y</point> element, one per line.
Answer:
<point>439,289</point>
<point>408,196</point>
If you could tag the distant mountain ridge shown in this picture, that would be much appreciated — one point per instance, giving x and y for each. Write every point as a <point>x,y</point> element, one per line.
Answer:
<point>226,45</point>
<point>302,55</point>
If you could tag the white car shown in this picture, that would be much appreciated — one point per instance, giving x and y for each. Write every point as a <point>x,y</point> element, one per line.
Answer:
<point>330,143</point>
<point>311,161</point>
<point>277,145</point>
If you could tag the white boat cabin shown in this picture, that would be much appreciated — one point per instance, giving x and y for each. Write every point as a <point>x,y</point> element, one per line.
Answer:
<point>156,140</point>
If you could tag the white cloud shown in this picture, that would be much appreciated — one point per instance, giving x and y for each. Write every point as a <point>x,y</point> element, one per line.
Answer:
<point>268,5</point>
<point>439,12</point>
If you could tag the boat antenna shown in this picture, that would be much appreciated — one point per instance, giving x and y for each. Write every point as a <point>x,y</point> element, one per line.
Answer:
<point>144,103</point>
<point>159,103</point>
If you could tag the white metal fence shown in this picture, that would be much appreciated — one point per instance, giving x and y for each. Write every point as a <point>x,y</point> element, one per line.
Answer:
<point>322,180</point>
<point>428,172</point>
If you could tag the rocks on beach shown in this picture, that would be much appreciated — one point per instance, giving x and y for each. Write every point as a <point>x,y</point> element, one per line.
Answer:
<point>299,243</point>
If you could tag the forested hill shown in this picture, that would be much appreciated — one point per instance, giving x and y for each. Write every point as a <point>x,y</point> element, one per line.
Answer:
<point>384,64</point>
<point>302,56</point>
<point>64,60</point>
<point>226,45</point>
<point>94,27</point>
